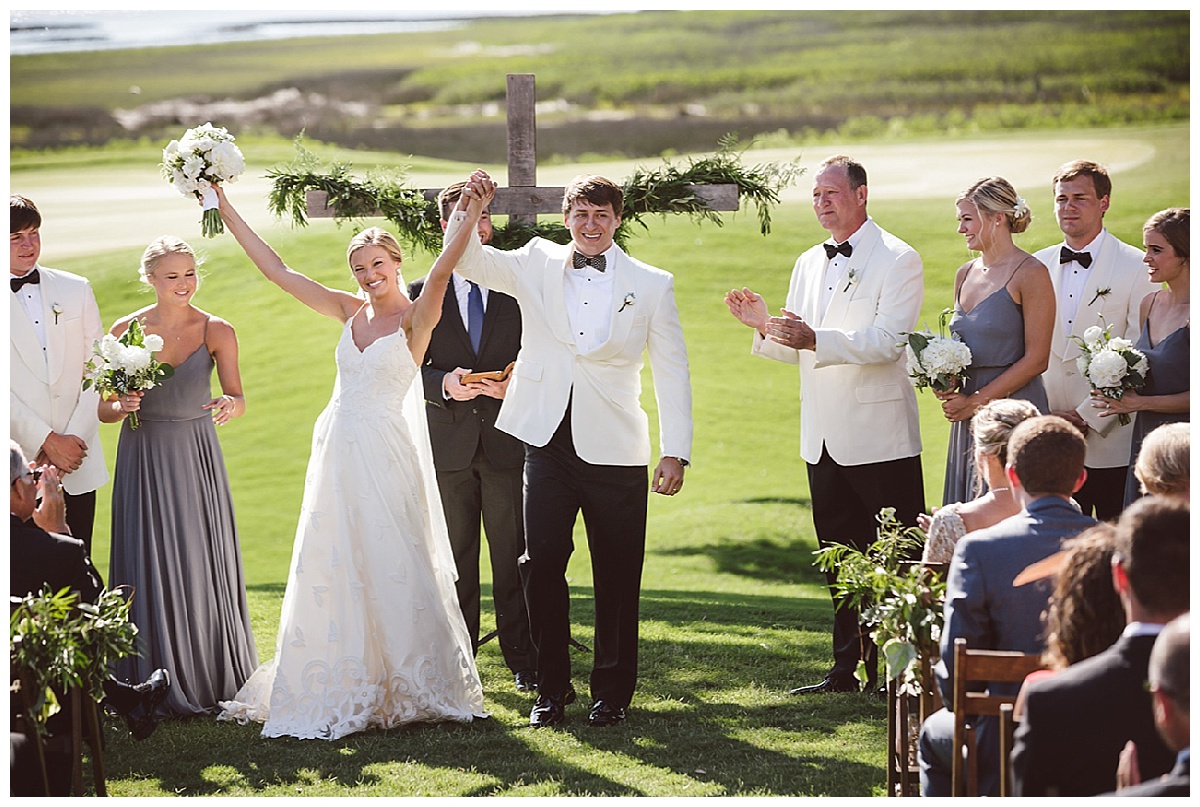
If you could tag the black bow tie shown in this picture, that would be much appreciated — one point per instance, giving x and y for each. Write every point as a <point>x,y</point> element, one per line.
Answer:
<point>844,248</point>
<point>18,282</point>
<point>595,261</point>
<point>1084,259</point>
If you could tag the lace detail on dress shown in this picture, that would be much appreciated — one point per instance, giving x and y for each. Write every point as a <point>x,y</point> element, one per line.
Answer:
<point>370,633</point>
<point>945,530</point>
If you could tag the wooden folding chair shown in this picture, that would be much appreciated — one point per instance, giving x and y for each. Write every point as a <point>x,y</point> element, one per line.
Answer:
<point>980,667</point>
<point>1008,730</point>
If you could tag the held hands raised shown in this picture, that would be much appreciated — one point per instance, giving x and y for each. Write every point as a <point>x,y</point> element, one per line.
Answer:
<point>479,189</point>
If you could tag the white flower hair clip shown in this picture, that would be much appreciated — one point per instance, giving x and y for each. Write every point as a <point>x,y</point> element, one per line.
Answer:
<point>1020,208</point>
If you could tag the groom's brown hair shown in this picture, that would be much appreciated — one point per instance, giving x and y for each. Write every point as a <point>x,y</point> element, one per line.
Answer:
<point>22,214</point>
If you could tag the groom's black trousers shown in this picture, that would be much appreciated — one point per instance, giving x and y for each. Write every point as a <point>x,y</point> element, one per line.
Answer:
<point>558,485</point>
<point>845,501</point>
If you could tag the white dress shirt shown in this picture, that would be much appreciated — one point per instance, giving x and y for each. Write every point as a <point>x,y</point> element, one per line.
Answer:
<point>835,271</point>
<point>462,292</point>
<point>30,297</point>
<point>1070,287</point>
<point>588,294</point>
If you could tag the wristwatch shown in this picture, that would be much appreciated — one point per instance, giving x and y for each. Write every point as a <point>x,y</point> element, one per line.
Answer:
<point>684,463</point>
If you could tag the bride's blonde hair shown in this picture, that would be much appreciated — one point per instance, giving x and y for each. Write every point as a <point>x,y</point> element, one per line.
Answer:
<point>160,248</point>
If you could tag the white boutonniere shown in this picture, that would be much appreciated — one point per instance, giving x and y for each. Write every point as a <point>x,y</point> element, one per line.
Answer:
<point>851,279</point>
<point>1104,292</point>
<point>56,309</point>
<point>629,298</point>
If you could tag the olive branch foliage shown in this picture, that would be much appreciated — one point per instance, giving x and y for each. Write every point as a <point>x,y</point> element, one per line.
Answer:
<point>901,602</point>
<point>57,643</point>
<point>659,191</point>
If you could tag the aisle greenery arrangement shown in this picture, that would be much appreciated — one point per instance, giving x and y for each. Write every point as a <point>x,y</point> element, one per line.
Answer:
<point>58,643</point>
<point>659,191</point>
<point>901,602</point>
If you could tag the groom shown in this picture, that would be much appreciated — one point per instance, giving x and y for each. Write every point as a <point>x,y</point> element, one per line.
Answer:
<point>588,312</point>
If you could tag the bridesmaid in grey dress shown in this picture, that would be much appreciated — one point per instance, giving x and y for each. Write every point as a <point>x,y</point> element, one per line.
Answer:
<point>1165,337</point>
<point>1004,311</point>
<point>174,538</point>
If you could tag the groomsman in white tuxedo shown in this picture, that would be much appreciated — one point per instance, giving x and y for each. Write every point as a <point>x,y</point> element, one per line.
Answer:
<point>848,304</point>
<point>1099,280</point>
<point>53,322</point>
<point>588,313</point>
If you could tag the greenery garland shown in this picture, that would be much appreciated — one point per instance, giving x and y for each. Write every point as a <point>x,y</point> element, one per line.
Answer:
<point>416,219</point>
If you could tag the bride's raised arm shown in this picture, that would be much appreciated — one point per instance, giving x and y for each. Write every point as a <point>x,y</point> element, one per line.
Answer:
<point>426,310</point>
<point>339,305</point>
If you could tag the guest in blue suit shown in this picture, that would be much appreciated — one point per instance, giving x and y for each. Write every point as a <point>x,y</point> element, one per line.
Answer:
<point>1045,467</point>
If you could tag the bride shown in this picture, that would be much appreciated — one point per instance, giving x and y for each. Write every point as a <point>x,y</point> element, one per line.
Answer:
<point>370,635</point>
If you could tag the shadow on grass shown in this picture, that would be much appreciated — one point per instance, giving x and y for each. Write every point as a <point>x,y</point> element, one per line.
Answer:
<point>711,717</point>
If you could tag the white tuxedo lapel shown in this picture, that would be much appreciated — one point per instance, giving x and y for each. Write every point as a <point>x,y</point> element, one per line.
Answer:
<point>620,322</point>
<point>554,300</point>
<point>25,341</point>
<point>52,295</point>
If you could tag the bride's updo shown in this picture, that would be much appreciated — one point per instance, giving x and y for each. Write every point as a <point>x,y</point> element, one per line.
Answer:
<point>161,247</point>
<point>997,195</point>
<point>376,237</point>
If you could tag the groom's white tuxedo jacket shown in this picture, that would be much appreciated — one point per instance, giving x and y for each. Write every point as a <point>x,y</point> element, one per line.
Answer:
<point>856,398</point>
<point>45,387</point>
<point>1118,270</point>
<point>603,384</point>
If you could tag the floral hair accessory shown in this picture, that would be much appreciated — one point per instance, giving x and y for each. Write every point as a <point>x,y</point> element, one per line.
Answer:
<point>1020,208</point>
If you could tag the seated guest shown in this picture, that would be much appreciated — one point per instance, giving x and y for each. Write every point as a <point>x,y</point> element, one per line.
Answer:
<point>1045,467</point>
<point>1170,683</point>
<point>1163,466</point>
<point>1077,722</point>
<point>991,427</point>
<point>1085,616</point>
<point>43,555</point>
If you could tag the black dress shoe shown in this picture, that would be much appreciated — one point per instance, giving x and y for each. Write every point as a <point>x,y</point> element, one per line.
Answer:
<point>549,710</point>
<point>604,713</point>
<point>526,681</point>
<point>152,692</point>
<point>832,683</point>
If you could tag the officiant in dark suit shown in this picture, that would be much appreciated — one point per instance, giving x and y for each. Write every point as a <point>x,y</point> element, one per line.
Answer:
<point>479,468</point>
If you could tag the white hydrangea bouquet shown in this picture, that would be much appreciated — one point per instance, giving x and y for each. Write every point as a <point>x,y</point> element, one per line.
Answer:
<point>1111,365</point>
<point>203,157</point>
<point>936,361</point>
<point>121,366</point>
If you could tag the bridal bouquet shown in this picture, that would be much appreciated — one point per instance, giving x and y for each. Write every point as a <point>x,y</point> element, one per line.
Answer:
<point>936,361</point>
<point>1111,364</point>
<point>124,365</point>
<point>203,157</point>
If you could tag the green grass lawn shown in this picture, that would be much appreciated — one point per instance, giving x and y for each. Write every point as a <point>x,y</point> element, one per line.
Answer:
<point>733,612</point>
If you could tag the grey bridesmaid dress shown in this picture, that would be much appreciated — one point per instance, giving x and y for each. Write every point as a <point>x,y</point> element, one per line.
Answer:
<point>174,541</point>
<point>1170,372</point>
<point>994,330</point>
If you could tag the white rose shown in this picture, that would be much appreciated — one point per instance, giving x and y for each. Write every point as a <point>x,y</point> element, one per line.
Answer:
<point>193,165</point>
<point>153,342</point>
<point>227,161</point>
<point>1119,344</point>
<point>1093,334</point>
<point>109,348</point>
<point>1142,366</point>
<point>935,357</point>
<point>1107,369</point>
<point>171,150</point>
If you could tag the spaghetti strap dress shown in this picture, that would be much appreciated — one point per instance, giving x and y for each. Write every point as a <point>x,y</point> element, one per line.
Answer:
<point>175,542</point>
<point>1170,372</point>
<point>994,330</point>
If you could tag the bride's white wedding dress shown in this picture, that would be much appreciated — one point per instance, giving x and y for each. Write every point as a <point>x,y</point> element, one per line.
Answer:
<point>370,634</point>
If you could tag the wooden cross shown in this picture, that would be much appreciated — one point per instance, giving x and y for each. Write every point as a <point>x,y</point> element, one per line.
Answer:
<point>523,200</point>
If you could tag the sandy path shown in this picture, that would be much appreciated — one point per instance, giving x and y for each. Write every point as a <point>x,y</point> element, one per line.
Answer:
<point>120,209</point>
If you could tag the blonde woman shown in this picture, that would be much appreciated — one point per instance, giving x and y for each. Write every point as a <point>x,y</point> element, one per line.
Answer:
<point>370,634</point>
<point>992,425</point>
<point>1004,311</point>
<point>174,536</point>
